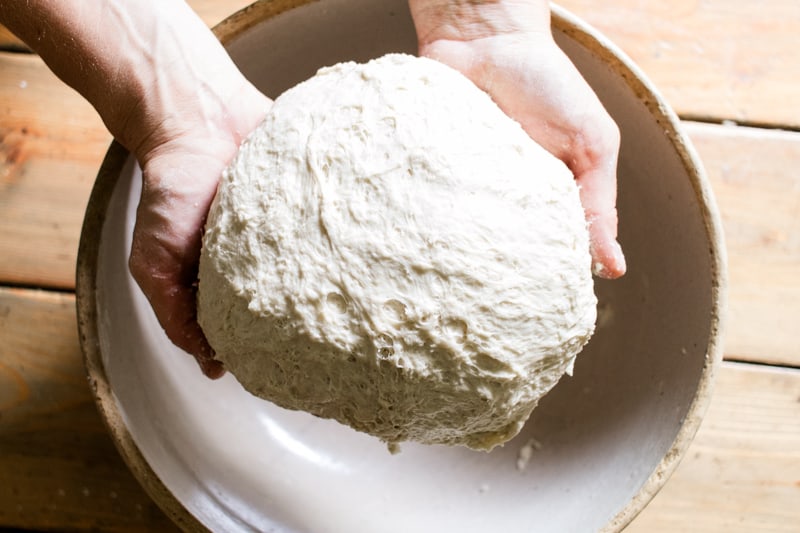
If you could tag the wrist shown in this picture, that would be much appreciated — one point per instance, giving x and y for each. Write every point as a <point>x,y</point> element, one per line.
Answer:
<point>469,20</point>
<point>172,79</point>
<point>163,104</point>
<point>151,68</point>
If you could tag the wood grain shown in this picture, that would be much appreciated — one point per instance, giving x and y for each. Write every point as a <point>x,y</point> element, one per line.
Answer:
<point>58,466</point>
<point>50,153</point>
<point>712,59</point>
<point>708,63</point>
<point>742,472</point>
<point>51,145</point>
<point>211,11</point>
<point>60,470</point>
<point>214,11</point>
<point>755,175</point>
<point>10,43</point>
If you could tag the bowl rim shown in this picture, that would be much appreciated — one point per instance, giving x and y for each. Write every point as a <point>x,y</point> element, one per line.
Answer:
<point>563,21</point>
<point>596,43</point>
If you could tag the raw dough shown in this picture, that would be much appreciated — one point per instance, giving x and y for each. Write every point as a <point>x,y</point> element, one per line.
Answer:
<point>390,250</point>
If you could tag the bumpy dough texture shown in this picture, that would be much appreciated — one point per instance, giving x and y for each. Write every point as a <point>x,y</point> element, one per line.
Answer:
<point>390,250</point>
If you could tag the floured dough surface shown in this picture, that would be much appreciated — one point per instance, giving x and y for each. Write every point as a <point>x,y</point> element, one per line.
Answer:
<point>390,250</point>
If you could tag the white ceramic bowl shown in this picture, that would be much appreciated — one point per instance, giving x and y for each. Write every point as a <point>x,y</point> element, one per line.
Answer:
<point>603,441</point>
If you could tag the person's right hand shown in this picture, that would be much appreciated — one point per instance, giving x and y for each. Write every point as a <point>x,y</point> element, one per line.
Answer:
<point>506,48</point>
<point>167,90</point>
<point>181,169</point>
<point>184,125</point>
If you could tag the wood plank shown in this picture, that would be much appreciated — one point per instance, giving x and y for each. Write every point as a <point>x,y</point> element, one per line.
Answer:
<point>214,11</point>
<point>59,468</point>
<point>53,142</point>
<point>742,472</point>
<point>51,145</point>
<point>700,54</point>
<point>211,11</point>
<point>707,63</point>
<point>718,59</point>
<point>755,175</point>
<point>10,43</point>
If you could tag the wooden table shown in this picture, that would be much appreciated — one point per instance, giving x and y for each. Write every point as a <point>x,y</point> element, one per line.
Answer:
<point>730,68</point>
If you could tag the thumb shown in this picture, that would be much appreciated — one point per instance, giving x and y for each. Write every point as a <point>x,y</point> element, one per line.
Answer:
<point>596,178</point>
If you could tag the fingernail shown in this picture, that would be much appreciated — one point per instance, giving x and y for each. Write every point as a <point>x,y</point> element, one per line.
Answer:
<point>212,368</point>
<point>619,259</point>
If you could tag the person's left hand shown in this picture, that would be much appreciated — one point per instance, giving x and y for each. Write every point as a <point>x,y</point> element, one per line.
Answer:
<point>506,48</point>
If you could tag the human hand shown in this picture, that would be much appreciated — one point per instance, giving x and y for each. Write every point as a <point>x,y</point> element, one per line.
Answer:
<point>181,168</point>
<point>186,111</point>
<point>183,109</point>
<point>167,90</point>
<point>506,48</point>
<point>180,179</point>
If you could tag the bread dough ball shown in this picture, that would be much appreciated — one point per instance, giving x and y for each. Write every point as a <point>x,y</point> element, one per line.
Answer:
<point>390,250</point>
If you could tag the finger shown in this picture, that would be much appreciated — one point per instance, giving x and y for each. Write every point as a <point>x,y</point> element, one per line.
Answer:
<point>179,320</point>
<point>608,260</point>
<point>172,295</point>
<point>595,169</point>
<point>559,110</point>
<point>164,259</point>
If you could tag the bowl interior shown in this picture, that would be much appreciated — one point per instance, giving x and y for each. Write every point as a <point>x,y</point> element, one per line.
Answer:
<point>599,439</point>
